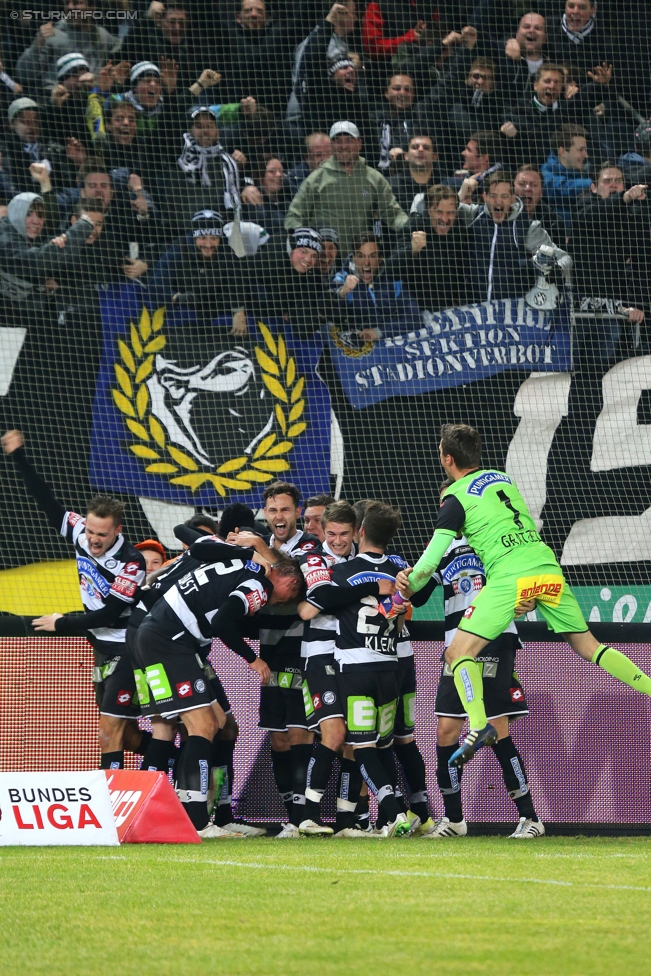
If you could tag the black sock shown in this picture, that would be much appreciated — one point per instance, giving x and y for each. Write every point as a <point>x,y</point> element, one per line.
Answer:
<point>377,779</point>
<point>222,758</point>
<point>282,767</point>
<point>160,753</point>
<point>388,760</point>
<point>318,773</point>
<point>449,781</point>
<point>413,767</point>
<point>362,815</point>
<point>515,776</point>
<point>348,798</point>
<point>143,745</point>
<point>112,760</point>
<point>301,755</point>
<point>193,776</point>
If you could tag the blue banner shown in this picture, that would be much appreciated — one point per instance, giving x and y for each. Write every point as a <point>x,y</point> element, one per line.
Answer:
<point>187,413</point>
<point>454,347</point>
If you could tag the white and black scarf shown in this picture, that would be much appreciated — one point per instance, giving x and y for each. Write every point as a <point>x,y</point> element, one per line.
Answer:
<point>194,161</point>
<point>577,37</point>
<point>149,113</point>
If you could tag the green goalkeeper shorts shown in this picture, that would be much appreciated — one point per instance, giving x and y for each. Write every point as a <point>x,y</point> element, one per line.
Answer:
<point>493,608</point>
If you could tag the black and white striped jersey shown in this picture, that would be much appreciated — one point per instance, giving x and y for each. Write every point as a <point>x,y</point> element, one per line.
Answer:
<point>462,575</point>
<point>366,635</point>
<point>319,637</point>
<point>281,633</point>
<point>119,573</point>
<point>197,596</point>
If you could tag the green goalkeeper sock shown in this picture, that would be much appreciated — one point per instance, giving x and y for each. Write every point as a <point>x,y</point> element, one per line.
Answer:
<point>620,666</point>
<point>467,681</point>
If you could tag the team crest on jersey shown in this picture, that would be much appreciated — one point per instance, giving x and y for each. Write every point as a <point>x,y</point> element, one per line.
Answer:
<point>227,416</point>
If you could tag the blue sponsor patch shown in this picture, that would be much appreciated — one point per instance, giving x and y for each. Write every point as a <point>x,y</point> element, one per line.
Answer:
<point>369,577</point>
<point>89,571</point>
<point>253,567</point>
<point>478,486</point>
<point>398,560</point>
<point>468,563</point>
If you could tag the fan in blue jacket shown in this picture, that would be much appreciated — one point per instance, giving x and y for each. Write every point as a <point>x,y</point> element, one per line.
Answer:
<point>373,303</point>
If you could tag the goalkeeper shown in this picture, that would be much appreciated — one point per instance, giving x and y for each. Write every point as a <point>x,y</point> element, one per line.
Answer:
<point>486,506</point>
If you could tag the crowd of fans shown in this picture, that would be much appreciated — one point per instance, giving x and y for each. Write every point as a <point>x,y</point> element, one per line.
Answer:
<point>350,163</point>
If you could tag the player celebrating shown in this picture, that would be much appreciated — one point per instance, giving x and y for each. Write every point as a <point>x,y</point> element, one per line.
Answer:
<point>111,572</point>
<point>486,506</point>
<point>206,602</point>
<point>461,575</point>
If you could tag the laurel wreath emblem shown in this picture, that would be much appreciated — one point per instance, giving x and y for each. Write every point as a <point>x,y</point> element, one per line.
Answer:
<point>346,348</point>
<point>152,447</point>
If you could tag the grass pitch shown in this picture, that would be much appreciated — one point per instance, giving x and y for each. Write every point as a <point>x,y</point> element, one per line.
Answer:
<point>549,907</point>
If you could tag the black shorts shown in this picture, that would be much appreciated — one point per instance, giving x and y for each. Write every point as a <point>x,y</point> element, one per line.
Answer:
<point>281,702</point>
<point>406,711</point>
<point>371,698</point>
<point>171,677</point>
<point>321,690</point>
<point>114,681</point>
<point>217,687</point>
<point>503,693</point>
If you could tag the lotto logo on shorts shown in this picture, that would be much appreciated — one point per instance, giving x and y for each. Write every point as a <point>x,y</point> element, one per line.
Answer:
<point>517,695</point>
<point>124,698</point>
<point>316,701</point>
<point>547,588</point>
<point>184,689</point>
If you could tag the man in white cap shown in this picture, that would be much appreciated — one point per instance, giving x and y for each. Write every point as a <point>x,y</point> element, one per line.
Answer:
<point>345,193</point>
<point>66,113</point>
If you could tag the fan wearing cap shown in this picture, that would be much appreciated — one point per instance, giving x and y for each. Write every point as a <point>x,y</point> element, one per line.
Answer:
<point>205,176</point>
<point>345,193</point>
<point>289,285</point>
<point>329,252</point>
<point>66,109</point>
<point>200,272</point>
<point>26,143</point>
<point>36,68</point>
<point>338,97</point>
<point>154,553</point>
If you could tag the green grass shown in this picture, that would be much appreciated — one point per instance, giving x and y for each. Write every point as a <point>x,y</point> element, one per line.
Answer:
<point>561,906</point>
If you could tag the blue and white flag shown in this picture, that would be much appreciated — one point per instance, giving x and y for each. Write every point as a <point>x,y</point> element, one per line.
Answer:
<point>187,413</point>
<point>454,347</point>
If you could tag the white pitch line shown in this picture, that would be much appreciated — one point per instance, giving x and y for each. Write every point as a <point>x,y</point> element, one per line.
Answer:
<point>409,874</point>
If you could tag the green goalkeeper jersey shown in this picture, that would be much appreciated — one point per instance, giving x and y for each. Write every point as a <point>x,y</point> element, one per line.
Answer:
<point>488,509</point>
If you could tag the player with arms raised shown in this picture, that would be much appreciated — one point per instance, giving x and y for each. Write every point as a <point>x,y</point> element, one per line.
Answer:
<point>486,506</point>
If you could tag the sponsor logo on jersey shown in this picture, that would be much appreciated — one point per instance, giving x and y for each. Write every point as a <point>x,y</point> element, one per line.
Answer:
<point>255,600</point>
<point>315,576</point>
<point>517,695</point>
<point>124,697</point>
<point>200,686</point>
<point>91,580</point>
<point>316,701</point>
<point>184,689</point>
<point>398,560</point>
<point>460,564</point>
<point>124,586</point>
<point>329,698</point>
<point>467,686</point>
<point>253,567</point>
<point>478,486</point>
<point>547,588</point>
<point>73,518</point>
<point>314,561</point>
<point>368,576</point>
<point>469,612</point>
<point>131,568</point>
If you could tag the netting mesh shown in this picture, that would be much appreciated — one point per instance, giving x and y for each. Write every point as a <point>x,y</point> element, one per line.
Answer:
<point>579,745</point>
<point>243,241</point>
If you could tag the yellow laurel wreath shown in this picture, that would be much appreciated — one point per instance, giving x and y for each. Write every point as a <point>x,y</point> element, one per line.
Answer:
<point>132,399</point>
<point>354,351</point>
